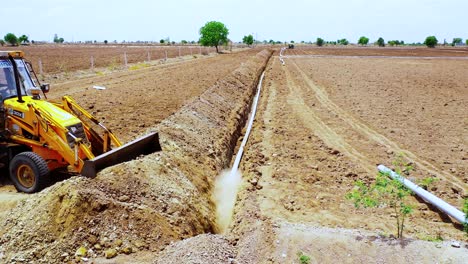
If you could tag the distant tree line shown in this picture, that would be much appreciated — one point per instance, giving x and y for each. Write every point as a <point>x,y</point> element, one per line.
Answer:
<point>12,40</point>
<point>430,41</point>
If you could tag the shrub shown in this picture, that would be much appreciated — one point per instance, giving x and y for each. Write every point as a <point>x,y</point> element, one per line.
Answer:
<point>385,192</point>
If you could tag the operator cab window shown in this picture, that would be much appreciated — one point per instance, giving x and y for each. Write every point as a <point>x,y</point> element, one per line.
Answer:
<point>7,79</point>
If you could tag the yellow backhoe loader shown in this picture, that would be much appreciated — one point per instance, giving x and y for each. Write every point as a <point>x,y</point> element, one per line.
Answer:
<point>38,136</point>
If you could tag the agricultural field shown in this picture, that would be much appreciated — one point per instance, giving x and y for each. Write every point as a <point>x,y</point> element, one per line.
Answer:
<point>69,58</point>
<point>326,118</point>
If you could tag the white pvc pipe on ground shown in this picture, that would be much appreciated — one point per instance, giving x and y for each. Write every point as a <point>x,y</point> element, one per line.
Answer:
<point>240,152</point>
<point>427,196</point>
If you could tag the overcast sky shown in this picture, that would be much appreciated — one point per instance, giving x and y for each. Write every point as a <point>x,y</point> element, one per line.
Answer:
<point>131,20</point>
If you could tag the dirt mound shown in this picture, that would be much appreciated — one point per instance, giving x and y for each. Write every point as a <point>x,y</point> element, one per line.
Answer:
<point>146,203</point>
<point>200,249</point>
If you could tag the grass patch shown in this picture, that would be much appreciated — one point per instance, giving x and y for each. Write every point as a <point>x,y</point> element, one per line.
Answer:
<point>139,66</point>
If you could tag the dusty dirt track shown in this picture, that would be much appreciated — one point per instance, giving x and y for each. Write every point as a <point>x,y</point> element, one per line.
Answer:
<point>322,124</point>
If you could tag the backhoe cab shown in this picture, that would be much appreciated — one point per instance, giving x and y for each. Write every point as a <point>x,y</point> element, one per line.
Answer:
<point>38,136</point>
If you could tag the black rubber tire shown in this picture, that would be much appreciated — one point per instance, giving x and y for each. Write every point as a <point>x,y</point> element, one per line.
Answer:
<point>37,168</point>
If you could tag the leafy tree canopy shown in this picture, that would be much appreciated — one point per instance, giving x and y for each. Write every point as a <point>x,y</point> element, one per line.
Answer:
<point>363,40</point>
<point>431,41</point>
<point>11,39</point>
<point>381,42</point>
<point>320,42</point>
<point>213,34</point>
<point>249,40</point>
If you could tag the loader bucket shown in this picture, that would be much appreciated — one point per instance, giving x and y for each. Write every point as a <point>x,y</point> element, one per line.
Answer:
<point>141,146</point>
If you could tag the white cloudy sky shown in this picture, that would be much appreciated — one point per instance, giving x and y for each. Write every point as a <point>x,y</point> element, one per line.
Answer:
<point>408,20</point>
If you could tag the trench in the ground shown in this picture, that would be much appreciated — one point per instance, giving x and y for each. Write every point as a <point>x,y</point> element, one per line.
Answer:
<point>227,184</point>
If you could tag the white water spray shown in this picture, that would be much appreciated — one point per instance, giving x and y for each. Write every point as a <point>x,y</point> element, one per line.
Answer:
<point>225,196</point>
<point>227,184</point>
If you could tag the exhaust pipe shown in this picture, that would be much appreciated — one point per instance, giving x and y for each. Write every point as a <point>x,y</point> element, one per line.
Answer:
<point>141,146</point>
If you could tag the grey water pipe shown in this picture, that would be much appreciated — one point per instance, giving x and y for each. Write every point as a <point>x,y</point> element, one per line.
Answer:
<point>240,152</point>
<point>427,196</point>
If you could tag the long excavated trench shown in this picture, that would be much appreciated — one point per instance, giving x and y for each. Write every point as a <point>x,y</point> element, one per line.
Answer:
<point>147,203</point>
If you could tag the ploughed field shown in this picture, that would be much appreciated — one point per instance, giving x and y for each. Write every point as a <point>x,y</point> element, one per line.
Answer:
<point>326,122</point>
<point>68,58</point>
<point>322,123</point>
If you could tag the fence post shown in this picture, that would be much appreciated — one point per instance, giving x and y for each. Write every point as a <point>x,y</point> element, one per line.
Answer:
<point>191,51</point>
<point>40,67</point>
<point>92,63</point>
<point>165,59</point>
<point>125,59</point>
<point>149,56</point>
<point>179,52</point>
<point>199,49</point>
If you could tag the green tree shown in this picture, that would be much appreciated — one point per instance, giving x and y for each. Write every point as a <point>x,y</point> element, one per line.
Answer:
<point>456,41</point>
<point>363,40</point>
<point>57,39</point>
<point>11,39</point>
<point>249,40</point>
<point>466,42</point>
<point>2,42</point>
<point>184,42</point>
<point>105,42</point>
<point>213,34</point>
<point>23,39</point>
<point>320,42</point>
<point>343,42</point>
<point>381,42</point>
<point>431,41</point>
<point>161,41</point>
<point>386,192</point>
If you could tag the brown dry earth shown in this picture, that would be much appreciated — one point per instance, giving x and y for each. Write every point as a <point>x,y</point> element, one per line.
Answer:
<point>145,204</point>
<point>65,59</point>
<point>136,99</point>
<point>376,51</point>
<point>324,123</point>
<point>321,125</point>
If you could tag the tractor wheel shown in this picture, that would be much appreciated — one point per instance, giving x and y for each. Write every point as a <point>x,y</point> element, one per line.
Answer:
<point>29,172</point>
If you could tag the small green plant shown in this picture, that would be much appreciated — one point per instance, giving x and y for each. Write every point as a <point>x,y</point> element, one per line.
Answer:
<point>437,238</point>
<point>427,182</point>
<point>386,192</point>
<point>138,66</point>
<point>113,65</point>
<point>303,259</point>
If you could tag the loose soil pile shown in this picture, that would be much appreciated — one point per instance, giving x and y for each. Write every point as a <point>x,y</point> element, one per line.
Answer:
<point>143,204</point>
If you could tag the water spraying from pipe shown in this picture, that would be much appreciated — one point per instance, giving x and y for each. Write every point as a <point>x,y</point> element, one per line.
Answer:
<point>225,195</point>
<point>227,184</point>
